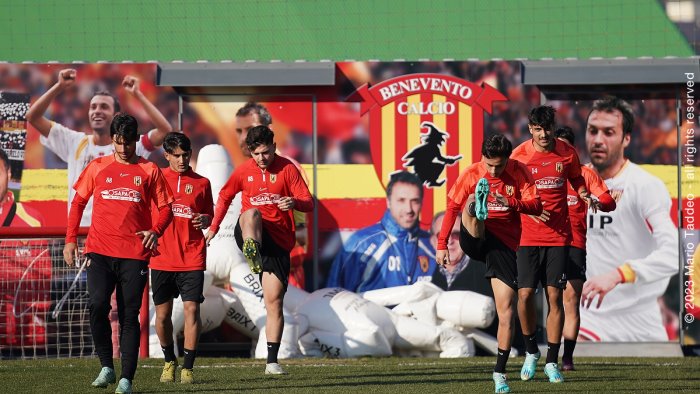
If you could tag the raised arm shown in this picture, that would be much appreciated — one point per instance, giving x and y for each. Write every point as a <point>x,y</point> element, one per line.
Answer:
<point>35,115</point>
<point>132,85</point>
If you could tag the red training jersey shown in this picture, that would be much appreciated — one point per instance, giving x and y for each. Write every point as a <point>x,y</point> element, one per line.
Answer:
<point>578,208</point>
<point>122,195</point>
<point>550,170</point>
<point>262,189</point>
<point>514,183</point>
<point>182,247</point>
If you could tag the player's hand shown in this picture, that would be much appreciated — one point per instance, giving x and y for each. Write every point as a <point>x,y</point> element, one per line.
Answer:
<point>66,78</point>
<point>593,204</point>
<point>499,197</point>
<point>131,84</point>
<point>209,236</point>
<point>70,253</point>
<point>442,257</point>
<point>285,203</point>
<point>543,217</point>
<point>599,286</point>
<point>201,221</point>
<point>150,239</point>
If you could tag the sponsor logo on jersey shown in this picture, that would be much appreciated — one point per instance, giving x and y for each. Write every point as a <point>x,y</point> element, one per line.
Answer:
<point>549,182</point>
<point>510,190</point>
<point>121,194</point>
<point>189,188</point>
<point>559,166</point>
<point>250,178</point>
<point>571,200</point>
<point>182,211</point>
<point>424,263</point>
<point>495,206</point>
<point>273,178</point>
<point>137,180</point>
<point>265,199</point>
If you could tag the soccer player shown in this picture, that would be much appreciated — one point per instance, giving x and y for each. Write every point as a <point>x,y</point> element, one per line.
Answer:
<point>576,269</point>
<point>80,148</point>
<point>633,251</point>
<point>255,114</point>
<point>120,241</point>
<point>495,191</point>
<point>393,252</point>
<point>271,188</point>
<point>543,254</point>
<point>178,267</point>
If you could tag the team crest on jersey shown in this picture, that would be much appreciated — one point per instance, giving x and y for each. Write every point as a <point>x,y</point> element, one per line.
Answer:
<point>510,190</point>
<point>250,178</point>
<point>559,166</point>
<point>424,263</point>
<point>109,179</point>
<point>188,189</point>
<point>137,180</point>
<point>428,124</point>
<point>273,178</point>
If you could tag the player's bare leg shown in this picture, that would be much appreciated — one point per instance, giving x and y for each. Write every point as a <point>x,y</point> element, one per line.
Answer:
<point>193,325</point>
<point>273,294</point>
<point>474,226</point>
<point>572,321</point>
<point>555,324</point>
<point>164,330</point>
<point>504,296</point>
<point>251,231</point>
<point>251,224</point>
<point>528,315</point>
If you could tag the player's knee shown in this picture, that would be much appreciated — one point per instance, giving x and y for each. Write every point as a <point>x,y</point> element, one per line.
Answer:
<point>191,310</point>
<point>505,315</point>
<point>526,294</point>
<point>99,306</point>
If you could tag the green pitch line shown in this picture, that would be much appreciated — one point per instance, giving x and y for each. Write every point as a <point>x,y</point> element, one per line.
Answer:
<point>313,30</point>
<point>372,375</point>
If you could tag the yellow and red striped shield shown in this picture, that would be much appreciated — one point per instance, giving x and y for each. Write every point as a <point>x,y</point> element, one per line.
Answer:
<point>399,106</point>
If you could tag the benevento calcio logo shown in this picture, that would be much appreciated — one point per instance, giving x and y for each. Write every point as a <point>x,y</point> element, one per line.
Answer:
<point>428,124</point>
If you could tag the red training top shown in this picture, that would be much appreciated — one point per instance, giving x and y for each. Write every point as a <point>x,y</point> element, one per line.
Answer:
<point>550,171</point>
<point>262,189</point>
<point>578,208</point>
<point>182,247</point>
<point>514,183</point>
<point>122,195</point>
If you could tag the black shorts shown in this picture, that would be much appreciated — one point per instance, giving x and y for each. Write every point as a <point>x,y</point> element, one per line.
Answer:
<point>576,269</point>
<point>168,285</point>
<point>500,259</point>
<point>544,265</point>
<point>274,258</point>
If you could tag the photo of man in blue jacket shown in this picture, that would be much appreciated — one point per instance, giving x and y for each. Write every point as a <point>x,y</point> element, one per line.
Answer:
<point>393,252</point>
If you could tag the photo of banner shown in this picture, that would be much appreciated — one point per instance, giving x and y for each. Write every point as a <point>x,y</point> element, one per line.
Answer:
<point>13,134</point>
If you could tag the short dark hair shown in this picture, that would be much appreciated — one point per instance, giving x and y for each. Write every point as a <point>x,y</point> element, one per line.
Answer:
<point>174,140</point>
<point>496,145</point>
<point>612,103</point>
<point>259,135</point>
<point>403,177</point>
<point>4,158</point>
<point>117,106</point>
<point>566,133</point>
<point>252,107</point>
<point>124,126</point>
<point>542,116</point>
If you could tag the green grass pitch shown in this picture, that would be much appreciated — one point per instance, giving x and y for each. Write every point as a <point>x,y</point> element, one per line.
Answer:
<point>367,375</point>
